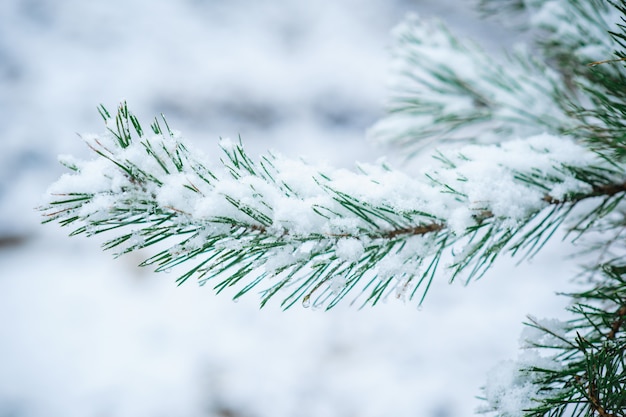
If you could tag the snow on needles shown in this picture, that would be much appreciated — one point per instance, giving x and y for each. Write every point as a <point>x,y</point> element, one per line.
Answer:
<point>300,198</point>
<point>445,88</point>
<point>512,387</point>
<point>291,202</point>
<point>562,24</point>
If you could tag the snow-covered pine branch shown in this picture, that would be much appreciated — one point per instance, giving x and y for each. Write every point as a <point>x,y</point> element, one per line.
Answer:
<point>566,32</point>
<point>313,233</point>
<point>447,89</point>
<point>444,88</point>
<point>541,146</point>
<point>577,366</point>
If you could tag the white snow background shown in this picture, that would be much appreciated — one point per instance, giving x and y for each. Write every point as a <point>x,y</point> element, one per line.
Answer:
<point>83,334</point>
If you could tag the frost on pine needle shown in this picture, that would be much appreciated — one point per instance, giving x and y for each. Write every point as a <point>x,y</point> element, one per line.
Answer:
<point>285,226</point>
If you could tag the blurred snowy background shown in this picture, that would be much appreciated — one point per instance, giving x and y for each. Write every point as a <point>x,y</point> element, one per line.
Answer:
<point>82,334</point>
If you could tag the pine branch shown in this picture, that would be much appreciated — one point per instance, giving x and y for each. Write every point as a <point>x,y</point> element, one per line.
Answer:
<point>583,32</point>
<point>447,89</point>
<point>576,367</point>
<point>567,33</point>
<point>576,33</point>
<point>318,234</point>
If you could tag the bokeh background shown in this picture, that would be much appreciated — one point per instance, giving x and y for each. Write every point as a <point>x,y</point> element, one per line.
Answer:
<point>83,334</point>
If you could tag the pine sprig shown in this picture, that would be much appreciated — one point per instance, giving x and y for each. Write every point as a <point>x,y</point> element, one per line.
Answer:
<point>261,223</point>
<point>567,33</point>
<point>447,89</point>
<point>582,371</point>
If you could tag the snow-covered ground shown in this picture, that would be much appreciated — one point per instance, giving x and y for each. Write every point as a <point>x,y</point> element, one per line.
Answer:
<point>82,334</point>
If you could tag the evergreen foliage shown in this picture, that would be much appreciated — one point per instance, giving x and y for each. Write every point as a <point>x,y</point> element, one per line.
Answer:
<point>534,143</point>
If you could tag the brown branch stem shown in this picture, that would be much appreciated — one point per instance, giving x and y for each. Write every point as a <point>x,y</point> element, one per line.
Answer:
<point>607,190</point>
<point>592,397</point>
<point>615,326</point>
<point>594,401</point>
<point>424,229</point>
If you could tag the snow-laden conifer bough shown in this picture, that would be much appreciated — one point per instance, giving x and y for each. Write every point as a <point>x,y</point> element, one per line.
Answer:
<point>535,142</point>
